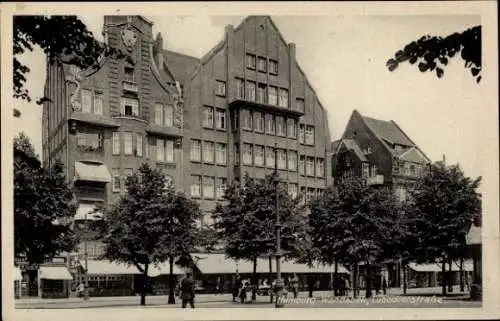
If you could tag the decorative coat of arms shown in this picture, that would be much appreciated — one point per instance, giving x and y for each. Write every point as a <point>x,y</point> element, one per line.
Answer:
<point>129,37</point>
<point>179,106</point>
<point>75,77</point>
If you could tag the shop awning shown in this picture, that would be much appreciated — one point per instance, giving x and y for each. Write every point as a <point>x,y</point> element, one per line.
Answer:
<point>94,172</point>
<point>55,273</point>
<point>292,267</point>
<point>105,267</point>
<point>432,267</point>
<point>87,211</point>
<point>468,266</point>
<point>18,276</point>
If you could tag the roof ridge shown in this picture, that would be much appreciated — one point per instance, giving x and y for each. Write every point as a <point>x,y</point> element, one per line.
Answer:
<point>182,54</point>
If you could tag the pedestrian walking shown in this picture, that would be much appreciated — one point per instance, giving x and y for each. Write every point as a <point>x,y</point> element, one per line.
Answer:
<point>346,286</point>
<point>243,291</point>
<point>236,287</point>
<point>294,284</point>
<point>384,285</point>
<point>187,290</point>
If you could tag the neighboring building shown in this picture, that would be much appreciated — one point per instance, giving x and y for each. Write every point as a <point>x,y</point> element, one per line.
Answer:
<point>379,152</point>
<point>204,122</point>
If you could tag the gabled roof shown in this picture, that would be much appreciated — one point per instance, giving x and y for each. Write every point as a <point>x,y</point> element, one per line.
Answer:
<point>413,155</point>
<point>179,65</point>
<point>352,146</point>
<point>388,130</point>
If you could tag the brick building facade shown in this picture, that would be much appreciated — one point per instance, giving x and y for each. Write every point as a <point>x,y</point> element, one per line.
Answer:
<point>204,122</point>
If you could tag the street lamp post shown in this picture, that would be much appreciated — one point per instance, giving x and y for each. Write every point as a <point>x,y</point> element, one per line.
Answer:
<point>85,259</point>
<point>279,282</point>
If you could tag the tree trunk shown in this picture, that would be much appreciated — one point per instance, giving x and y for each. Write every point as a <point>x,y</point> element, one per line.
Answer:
<point>336,279</point>
<point>450,276</point>
<point>144,284</point>
<point>443,276</point>
<point>254,279</point>
<point>310,285</point>
<point>171,283</point>
<point>355,281</point>
<point>462,286</point>
<point>368,288</point>
<point>269,278</point>
<point>405,281</point>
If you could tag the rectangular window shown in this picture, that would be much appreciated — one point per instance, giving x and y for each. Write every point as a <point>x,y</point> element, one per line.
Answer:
<point>208,117</point>
<point>302,161</point>
<point>220,153</point>
<point>158,114</point>
<point>86,101</point>
<point>169,115</point>
<point>195,153</point>
<point>146,147</point>
<point>270,125</point>
<point>262,65</point>
<point>98,103</point>
<point>292,160</point>
<point>116,180</point>
<point>283,101</point>
<point>259,155</point>
<point>292,128</point>
<point>303,194</point>
<point>251,61</point>
<point>220,89</point>
<point>373,170</point>
<point>220,187</point>
<point>160,150</point>
<point>309,135</point>
<point>169,151</point>
<point>208,152</point>
<point>300,105</point>
<point>196,186</point>
<point>138,142</point>
<point>366,170</point>
<point>320,167</point>
<point>220,119</point>
<point>310,166</point>
<point>258,120</point>
<point>293,189</point>
<point>208,187</point>
<point>280,126</point>
<point>302,135</point>
<point>273,67</point>
<point>236,154</point>
<point>273,95</point>
<point>126,173</point>
<point>270,157</point>
<point>250,92</point>
<point>261,93</point>
<point>130,107</point>
<point>246,118</point>
<point>247,154</point>
<point>310,194</point>
<point>281,159</point>
<point>236,119</point>
<point>129,74</point>
<point>240,88</point>
<point>127,142</point>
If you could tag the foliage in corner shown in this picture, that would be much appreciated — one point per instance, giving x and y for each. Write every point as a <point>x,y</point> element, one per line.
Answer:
<point>432,52</point>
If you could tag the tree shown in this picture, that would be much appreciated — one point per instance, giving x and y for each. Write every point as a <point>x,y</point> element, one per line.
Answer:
<point>246,220</point>
<point>63,39</point>
<point>43,200</point>
<point>433,53</point>
<point>444,203</point>
<point>353,223</point>
<point>149,225</point>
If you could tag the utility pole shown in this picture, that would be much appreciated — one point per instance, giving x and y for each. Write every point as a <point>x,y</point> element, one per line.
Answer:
<point>279,281</point>
<point>85,258</point>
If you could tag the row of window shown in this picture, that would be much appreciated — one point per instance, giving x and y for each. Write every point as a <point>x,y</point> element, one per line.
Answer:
<point>262,64</point>
<point>164,115</point>
<point>207,155</point>
<point>262,93</point>
<point>133,145</point>
<point>217,122</point>
<point>118,181</point>
<point>369,171</point>
<point>208,186</point>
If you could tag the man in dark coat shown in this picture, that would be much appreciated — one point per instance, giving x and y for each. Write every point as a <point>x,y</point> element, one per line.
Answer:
<point>236,287</point>
<point>187,290</point>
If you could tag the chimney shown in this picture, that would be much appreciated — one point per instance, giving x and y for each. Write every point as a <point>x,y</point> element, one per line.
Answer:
<point>159,50</point>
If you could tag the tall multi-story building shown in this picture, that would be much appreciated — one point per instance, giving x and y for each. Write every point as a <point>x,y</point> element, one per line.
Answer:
<point>204,122</point>
<point>379,152</point>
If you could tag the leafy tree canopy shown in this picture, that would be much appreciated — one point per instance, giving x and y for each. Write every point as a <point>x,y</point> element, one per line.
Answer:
<point>43,202</point>
<point>432,52</point>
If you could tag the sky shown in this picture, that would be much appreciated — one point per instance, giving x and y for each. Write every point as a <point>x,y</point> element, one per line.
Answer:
<point>344,59</point>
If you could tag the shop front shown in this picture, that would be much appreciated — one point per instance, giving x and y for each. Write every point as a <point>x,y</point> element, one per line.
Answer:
<point>55,281</point>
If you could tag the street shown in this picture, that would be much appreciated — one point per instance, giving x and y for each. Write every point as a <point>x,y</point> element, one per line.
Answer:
<point>422,298</point>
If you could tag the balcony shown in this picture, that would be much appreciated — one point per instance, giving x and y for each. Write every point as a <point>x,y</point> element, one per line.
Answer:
<point>94,119</point>
<point>170,131</point>
<point>238,103</point>
<point>375,180</point>
<point>130,86</point>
